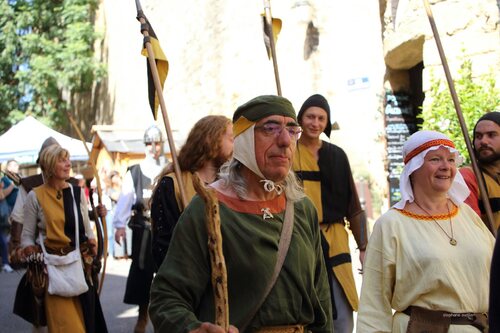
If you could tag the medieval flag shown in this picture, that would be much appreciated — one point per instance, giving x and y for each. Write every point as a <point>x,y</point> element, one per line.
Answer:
<point>161,65</point>
<point>276,30</point>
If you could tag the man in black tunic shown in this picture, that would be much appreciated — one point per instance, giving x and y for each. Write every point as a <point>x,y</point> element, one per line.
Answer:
<point>132,211</point>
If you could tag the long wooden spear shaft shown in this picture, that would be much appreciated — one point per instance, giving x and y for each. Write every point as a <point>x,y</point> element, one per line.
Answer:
<point>159,92</point>
<point>99,199</point>
<point>269,23</point>
<point>463,126</point>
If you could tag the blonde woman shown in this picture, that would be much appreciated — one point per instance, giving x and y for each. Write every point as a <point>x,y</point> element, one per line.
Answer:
<point>49,211</point>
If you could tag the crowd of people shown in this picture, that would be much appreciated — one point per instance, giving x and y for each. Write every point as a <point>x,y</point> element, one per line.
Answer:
<point>251,234</point>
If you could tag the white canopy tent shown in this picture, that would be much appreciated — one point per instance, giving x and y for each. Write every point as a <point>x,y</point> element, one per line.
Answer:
<point>22,142</point>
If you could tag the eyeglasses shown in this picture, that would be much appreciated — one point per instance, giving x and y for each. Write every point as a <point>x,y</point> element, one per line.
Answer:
<point>274,130</point>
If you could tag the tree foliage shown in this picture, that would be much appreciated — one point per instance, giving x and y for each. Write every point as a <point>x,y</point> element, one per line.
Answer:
<point>46,53</point>
<point>476,96</point>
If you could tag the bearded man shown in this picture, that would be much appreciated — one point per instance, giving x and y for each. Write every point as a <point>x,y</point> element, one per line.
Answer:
<point>486,142</point>
<point>208,145</point>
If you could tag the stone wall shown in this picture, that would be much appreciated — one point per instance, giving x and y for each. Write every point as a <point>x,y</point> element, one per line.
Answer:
<point>466,28</point>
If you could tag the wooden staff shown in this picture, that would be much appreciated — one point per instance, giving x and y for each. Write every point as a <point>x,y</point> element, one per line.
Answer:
<point>269,23</point>
<point>159,92</point>
<point>217,261</point>
<point>463,126</point>
<point>99,200</point>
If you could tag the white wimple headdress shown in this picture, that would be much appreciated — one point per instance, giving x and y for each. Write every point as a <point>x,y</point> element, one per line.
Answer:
<point>414,151</point>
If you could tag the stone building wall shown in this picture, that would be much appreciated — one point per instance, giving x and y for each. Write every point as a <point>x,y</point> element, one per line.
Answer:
<point>218,61</point>
<point>466,28</point>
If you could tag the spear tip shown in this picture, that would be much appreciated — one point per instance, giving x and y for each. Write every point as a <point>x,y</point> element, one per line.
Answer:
<point>138,6</point>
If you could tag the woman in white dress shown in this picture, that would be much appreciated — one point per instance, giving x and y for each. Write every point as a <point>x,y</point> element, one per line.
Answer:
<point>427,264</point>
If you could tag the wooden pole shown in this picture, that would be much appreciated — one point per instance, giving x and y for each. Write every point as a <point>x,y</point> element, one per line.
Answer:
<point>269,23</point>
<point>463,126</point>
<point>159,92</point>
<point>99,199</point>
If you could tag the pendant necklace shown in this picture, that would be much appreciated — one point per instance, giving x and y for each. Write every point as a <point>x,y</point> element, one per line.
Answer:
<point>58,194</point>
<point>452,239</point>
<point>266,213</point>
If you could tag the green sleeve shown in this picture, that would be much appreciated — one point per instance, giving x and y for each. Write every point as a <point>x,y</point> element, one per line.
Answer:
<point>183,277</point>
<point>323,311</point>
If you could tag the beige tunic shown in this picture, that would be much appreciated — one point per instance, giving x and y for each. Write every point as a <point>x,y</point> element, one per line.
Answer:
<point>409,261</point>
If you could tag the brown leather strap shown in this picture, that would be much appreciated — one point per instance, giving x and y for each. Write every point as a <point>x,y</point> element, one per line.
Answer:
<point>31,182</point>
<point>282,329</point>
<point>16,229</point>
<point>478,320</point>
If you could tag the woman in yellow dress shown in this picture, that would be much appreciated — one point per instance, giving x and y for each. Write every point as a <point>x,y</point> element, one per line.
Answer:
<point>49,211</point>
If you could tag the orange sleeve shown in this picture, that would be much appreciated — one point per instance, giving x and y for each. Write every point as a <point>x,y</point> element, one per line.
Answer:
<point>470,179</point>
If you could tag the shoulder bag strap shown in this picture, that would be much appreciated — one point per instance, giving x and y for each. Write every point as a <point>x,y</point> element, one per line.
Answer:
<point>284,244</point>
<point>75,212</point>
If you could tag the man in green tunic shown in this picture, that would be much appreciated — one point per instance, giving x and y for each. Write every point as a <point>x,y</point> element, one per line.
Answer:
<point>255,189</point>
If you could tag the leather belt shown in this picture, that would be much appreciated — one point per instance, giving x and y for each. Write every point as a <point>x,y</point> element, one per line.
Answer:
<point>467,318</point>
<point>282,329</point>
<point>67,249</point>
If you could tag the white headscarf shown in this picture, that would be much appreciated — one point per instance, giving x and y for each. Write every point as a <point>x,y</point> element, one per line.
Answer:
<point>244,151</point>
<point>414,151</point>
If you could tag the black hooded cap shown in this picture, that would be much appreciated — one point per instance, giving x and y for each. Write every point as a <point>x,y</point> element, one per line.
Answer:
<point>321,102</point>
<point>493,116</point>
